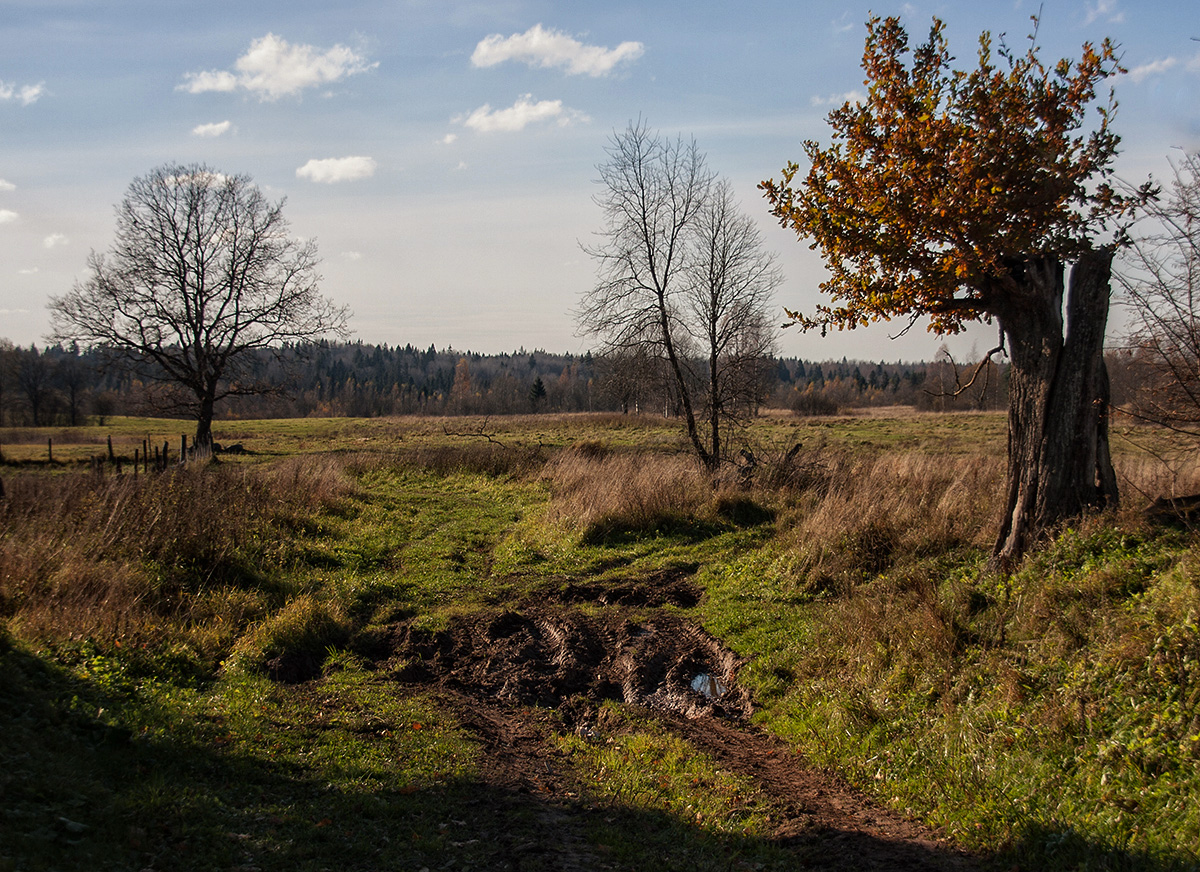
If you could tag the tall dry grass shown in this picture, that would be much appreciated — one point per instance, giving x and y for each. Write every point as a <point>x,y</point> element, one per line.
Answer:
<point>142,559</point>
<point>860,515</point>
<point>608,494</point>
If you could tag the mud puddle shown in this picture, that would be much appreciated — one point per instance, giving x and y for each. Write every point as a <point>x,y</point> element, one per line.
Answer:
<point>501,671</point>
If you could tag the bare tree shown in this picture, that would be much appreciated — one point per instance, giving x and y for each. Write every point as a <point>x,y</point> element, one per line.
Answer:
<point>727,298</point>
<point>203,271</point>
<point>1160,275</point>
<point>681,277</point>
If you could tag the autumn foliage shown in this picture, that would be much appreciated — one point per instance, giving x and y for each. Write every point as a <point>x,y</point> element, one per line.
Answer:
<point>935,182</point>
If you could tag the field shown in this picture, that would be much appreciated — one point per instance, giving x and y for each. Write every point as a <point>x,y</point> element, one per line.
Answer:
<point>553,643</point>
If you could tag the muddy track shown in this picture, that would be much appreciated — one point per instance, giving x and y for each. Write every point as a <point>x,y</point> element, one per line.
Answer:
<point>502,672</point>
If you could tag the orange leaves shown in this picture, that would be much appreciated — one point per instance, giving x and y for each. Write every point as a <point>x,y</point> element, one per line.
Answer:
<point>941,176</point>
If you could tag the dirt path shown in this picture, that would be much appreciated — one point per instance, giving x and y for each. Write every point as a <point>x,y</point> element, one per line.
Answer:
<point>501,673</point>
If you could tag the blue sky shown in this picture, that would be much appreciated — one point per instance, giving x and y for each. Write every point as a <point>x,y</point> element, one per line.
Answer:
<point>443,153</point>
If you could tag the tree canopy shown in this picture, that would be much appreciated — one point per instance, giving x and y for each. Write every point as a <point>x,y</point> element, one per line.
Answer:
<point>940,178</point>
<point>683,280</point>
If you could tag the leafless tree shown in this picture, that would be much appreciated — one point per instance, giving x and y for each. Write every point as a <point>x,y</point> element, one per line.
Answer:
<point>204,269</point>
<point>682,277</point>
<point>1160,276</point>
<point>727,299</point>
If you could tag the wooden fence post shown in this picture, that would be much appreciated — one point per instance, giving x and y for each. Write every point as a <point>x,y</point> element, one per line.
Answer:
<point>49,449</point>
<point>111,457</point>
<point>182,448</point>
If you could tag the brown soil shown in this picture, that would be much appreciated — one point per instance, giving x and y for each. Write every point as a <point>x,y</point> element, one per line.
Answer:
<point>515,676</point>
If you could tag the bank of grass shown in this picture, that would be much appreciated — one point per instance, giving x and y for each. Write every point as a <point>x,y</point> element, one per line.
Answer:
<point>1047,718</point>
<point>1051,716</point>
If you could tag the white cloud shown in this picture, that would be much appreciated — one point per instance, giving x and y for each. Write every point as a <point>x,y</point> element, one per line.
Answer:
<point>210,80</point>
<point>844,23</point>
<point>274,68</point>
<point>25,94</point>
<point>204,179</point>
<point>539,47</point>
<point>7,216</point>
<point>214,129</point>
<point>54,240</point>
<point>1153,68</point>
<point>15,311</point>
<point>338,169</point>
<point>27,272</point>
<point>520,115</point>
<point>448,139</point>
<point>352,255</point>
<point>1106,9</point>
<point>6,185</point>
<point>839,99</point>
<point>1193,66</point>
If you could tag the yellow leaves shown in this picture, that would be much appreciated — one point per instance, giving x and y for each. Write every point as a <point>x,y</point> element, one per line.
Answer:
<point>939,175</point>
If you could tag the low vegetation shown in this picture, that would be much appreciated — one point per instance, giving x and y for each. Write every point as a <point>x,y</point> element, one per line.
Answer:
<point>227,666</point>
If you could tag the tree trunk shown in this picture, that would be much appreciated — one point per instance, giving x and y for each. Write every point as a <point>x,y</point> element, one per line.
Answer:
<point>685,397</point>
<point>1058,455</point>
<point>202,444</point>
<point>714,405</point>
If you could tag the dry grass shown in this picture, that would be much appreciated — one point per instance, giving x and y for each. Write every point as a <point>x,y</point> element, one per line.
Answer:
<point>859,516</point>
<point>140,559</point>
<point>609,494</point>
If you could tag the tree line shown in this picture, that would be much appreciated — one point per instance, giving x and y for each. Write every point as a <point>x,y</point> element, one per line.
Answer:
<point>57,386</point>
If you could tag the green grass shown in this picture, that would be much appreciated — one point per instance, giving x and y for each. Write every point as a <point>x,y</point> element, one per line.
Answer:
<point>1047,719</point>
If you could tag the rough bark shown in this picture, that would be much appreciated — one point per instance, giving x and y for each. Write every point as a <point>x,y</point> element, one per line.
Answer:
<point>1058,454</point>
<point>202,444</point>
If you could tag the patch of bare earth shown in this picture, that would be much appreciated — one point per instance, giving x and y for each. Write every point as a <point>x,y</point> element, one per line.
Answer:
<point>502,672</point>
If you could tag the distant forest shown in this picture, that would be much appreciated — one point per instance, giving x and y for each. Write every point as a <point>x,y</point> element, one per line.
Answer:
<point>56,386</point>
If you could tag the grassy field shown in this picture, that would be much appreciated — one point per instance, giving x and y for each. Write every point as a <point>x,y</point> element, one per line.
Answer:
<point>466,643</point>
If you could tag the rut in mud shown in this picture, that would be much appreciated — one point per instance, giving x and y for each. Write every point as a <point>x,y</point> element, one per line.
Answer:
<point>500,671</point>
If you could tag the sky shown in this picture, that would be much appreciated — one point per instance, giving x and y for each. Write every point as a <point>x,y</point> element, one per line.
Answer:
<point>443,153</point>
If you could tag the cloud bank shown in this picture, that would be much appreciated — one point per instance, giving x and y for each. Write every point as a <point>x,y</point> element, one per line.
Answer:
<point>54,240</point>
<point>539,47</point>
<point>274,68</point>
<point>7,216</point>
<point>6,185</point>
<point>331,170</point>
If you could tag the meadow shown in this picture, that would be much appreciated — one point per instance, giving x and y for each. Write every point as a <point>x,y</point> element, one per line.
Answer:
<point>475,643</point>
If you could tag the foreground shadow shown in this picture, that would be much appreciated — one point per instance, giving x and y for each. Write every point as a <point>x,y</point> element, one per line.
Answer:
<point>82,791</point>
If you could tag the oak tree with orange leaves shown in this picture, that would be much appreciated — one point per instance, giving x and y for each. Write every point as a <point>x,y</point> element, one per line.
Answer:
<point>961,196</point>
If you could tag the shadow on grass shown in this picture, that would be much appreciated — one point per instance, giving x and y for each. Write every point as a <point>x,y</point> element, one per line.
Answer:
<point>85,789</point>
